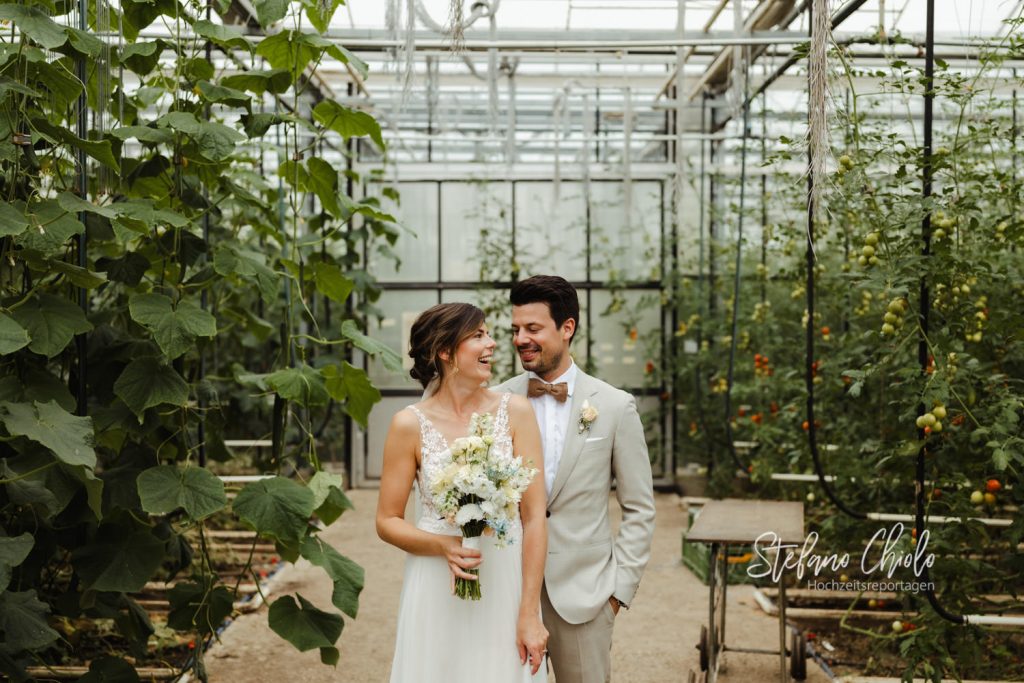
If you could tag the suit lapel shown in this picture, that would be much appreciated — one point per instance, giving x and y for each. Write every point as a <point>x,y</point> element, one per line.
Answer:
<point>574,439</point>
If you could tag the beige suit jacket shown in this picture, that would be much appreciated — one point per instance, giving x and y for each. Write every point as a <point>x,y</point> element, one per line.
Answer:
<point>585,564</point>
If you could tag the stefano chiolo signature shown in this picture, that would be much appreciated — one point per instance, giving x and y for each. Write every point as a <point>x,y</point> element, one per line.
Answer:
<point>773,557</point>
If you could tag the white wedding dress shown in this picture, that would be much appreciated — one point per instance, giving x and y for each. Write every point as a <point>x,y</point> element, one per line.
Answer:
<point>442,638</point>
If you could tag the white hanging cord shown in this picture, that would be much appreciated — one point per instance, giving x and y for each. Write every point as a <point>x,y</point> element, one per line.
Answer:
<point>627,160</point>
<point>817,96</point>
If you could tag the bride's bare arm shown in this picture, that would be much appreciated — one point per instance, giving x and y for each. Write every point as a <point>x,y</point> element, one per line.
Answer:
<point>397,475</point>
<point>531,634</point>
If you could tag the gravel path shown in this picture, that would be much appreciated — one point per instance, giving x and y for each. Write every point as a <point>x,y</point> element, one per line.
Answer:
<point>654,641</point>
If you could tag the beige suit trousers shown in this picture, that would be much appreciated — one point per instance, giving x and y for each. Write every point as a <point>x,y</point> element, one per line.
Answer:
<point>579,653</point>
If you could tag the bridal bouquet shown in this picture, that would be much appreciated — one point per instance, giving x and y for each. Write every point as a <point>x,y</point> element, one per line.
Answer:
<point>476,490</point>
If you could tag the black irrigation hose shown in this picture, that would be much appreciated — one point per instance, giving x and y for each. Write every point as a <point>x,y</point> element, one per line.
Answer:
<point>925,304</point>
<point>736,282</point>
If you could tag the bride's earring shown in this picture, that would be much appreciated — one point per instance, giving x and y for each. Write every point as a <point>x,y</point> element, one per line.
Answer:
<point>455,368</point>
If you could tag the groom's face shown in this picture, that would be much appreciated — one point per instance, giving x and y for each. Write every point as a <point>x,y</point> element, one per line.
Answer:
<point>543,347</point>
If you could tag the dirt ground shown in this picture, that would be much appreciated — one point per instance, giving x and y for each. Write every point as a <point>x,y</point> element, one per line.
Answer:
<point>654,641</point>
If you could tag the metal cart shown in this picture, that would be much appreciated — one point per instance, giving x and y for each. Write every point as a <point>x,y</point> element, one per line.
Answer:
<point>740,522</point>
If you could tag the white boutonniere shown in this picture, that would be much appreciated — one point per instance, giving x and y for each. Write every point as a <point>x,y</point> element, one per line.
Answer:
<point>588,414</point>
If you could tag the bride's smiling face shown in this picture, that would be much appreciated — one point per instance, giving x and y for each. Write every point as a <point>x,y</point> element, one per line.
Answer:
<point>474,353</point>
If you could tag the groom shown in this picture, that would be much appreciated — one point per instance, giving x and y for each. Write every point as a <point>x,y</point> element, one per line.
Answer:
<point>591,434</point>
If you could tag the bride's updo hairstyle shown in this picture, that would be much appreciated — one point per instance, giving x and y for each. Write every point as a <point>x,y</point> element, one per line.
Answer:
<point>437,330</point>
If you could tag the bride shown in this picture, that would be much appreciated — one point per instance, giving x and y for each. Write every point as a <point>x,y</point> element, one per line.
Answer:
<point>442,638</point>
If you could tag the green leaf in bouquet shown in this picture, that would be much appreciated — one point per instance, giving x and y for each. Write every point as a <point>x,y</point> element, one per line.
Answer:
<point>303,625</point>
<point>348,123</point>
<point>146,382</point>
<point>303,385</point>
<point>122,557</point>
<point>33,21</point>
<point>174,328</point>
<point>165,488</point>
<point>12,221</point>
<point>69,437</point>
<point>274,81</point>
<point>110,669</point>
<point>23,622</point>
<point>277,508</point>
<point>329,499</point>
<point>52,322</point>
<point>331,282</point>
<point>392,361</point>
<point>12,335</point>
<point>352,387</point>
<point>13,551</point>
<point>198,606</point>
<point>346,575</point>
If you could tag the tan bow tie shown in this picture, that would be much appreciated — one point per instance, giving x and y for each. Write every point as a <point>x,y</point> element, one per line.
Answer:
<point>537,387</point>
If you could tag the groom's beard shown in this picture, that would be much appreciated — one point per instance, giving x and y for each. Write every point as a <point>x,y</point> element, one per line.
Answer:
<point>543,363</point>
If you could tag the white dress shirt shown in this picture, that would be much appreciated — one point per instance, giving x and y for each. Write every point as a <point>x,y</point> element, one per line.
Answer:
<point>553,420</point>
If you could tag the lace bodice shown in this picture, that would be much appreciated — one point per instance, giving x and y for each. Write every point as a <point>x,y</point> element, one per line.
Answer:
<point>433,449</point>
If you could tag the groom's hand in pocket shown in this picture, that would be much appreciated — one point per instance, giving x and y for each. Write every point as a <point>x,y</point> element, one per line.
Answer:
<point>460,559</point>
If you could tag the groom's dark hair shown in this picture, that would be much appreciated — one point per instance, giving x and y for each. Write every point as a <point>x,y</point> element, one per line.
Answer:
<point>556,292</point>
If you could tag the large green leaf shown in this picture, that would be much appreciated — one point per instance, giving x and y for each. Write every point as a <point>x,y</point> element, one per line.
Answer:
<point>346,575</point>
<point>13,551</point>
<point>120,558</point>
<point>274,81</point>
<point>329,497</point>
<point>166,488</point>
<point>146,382</point>
<point>12,335</point>
<point>144,134</point>
<point>348,123</point>
<point>109,669</point>
<point>80,277</point>
<point>351,387</point>
<point>50,228</point>
<point>198,606</point>
<point>10,85</point>
<point>52,322</point>
<point>12,221</point>
<point>74,204</point>
<point>277,508</point>
<point>303,385</point>
<point>322,179</point>
<point>174,328</point>
<point>215,141</point>
<point>270,11</point>
<point>84,42</point>
<point>67,436</point>
<point>221,94</point>
<point>230,260</point>
<point>392,361</point>
<point>23,622</point>
<point>35,24</point>
<point>331,282</point>
<point>305,626</point>
<point>225,36</point>
<point>101,150</point>
<point>142,57</point>
<point>296,50</point>
<point>128,269</point>
<point>320,12</point>
<point>145,213</point>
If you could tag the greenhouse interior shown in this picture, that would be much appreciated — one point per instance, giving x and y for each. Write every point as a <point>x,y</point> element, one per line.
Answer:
<point>796,236</point>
